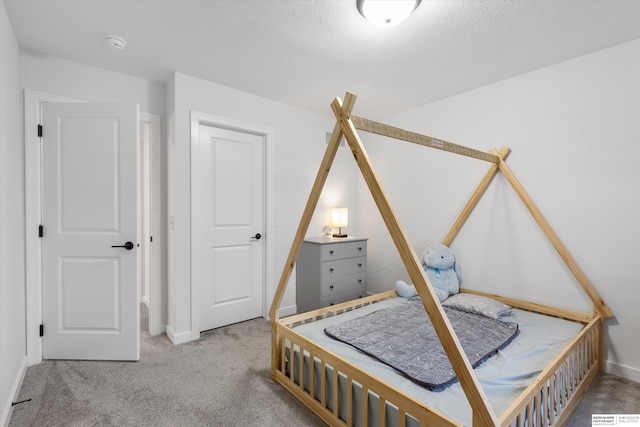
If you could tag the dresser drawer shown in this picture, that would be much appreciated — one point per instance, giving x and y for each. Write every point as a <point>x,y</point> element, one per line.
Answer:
<point>344,250</point>
<point>343,266</point>
<point>341,297</point>
<point>338,284</point>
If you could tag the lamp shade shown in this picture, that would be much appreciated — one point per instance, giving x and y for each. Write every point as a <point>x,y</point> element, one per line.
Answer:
<point>340,217</point>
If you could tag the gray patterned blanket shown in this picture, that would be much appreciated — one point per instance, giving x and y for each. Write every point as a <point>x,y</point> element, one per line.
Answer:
<point>404,338</point>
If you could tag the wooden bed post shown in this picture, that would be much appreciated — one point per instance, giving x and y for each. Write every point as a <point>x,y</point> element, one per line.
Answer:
<point>312,202</point>
<point>599,305</point>
<point>483,414</point>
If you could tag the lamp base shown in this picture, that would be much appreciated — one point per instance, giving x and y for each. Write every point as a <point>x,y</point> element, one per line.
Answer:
<point>339,235</point>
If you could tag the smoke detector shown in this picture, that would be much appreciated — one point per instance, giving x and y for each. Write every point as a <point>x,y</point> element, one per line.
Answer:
<point>116,42</point>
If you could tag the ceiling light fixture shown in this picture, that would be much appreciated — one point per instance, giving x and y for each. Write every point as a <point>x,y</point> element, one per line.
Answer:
<point>386,13</point>
<point>116,42</point>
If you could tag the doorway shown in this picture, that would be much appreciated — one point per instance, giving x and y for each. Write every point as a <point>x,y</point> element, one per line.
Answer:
<point>152,291</point>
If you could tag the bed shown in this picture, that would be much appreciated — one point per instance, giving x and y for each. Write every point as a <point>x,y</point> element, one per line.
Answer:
<point>346,390</point>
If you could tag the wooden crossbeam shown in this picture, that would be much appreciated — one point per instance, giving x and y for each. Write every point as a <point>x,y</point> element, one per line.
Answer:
<point>383,129</point>
<point>483,414</point>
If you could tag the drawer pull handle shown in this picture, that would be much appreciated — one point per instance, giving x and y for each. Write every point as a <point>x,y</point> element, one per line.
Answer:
<point>331,252</point>
<point>331,287</point>
<point>331,270</point>
<point>360,249</point>
<point>359,280</point>
<point>360,265</point>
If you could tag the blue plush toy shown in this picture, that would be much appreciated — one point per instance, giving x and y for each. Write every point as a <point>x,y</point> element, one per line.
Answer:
<point>443,272</point>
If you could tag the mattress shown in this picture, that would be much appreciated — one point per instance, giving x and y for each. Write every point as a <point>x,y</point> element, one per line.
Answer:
<point>503,376</point>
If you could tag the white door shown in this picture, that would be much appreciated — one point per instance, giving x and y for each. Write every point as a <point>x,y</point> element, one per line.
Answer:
<point>90,216</point>
<point>227,226</point>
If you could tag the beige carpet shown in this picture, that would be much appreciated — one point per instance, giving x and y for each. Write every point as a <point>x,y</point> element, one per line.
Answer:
<point>223,379</point>
<point>220,380</point>
<point>608,394</point>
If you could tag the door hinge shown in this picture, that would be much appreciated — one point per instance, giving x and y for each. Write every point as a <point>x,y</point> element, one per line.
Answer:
<point>41,330</point>
<point>39,131</point>
<point>40,230</point>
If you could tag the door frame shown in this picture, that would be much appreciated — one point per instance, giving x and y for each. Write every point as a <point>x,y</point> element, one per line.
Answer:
<point>33,217</point>
<point>156,327</point>
<point>202,119</point>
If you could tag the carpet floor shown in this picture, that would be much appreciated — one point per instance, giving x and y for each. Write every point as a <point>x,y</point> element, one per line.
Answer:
<point>223,379</point>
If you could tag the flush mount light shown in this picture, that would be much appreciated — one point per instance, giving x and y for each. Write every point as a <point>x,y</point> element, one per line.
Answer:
<point>386,13</point>
<point>115,42</point>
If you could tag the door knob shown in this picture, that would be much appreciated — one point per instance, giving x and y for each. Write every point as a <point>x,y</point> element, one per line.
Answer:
<point>258,236</point>
<point>128,246</point>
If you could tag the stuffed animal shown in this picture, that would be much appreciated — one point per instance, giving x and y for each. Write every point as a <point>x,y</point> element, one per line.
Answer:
<point>439,262</point>
<point>442,270</point>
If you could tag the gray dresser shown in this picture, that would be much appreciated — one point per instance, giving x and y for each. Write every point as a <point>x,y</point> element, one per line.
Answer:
<point>330,271</point>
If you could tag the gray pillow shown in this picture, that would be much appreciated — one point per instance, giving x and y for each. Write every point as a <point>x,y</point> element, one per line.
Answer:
<point>478,304</point>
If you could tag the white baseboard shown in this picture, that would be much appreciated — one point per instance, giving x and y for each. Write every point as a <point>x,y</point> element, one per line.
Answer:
<point>145,301</point>
<point>628,372</point>
<point>161,330</point>
<point>288,311</point>
<point>7,410</point>
<point>180,338</point>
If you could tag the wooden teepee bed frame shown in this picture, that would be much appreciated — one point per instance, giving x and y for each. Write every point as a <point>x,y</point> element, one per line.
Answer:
<point>548,400</point>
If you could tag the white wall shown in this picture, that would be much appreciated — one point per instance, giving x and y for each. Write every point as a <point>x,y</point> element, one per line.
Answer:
<point>298,147</point>
<point>58,76</point>
<point>575,133</point>
<point>12,250</point>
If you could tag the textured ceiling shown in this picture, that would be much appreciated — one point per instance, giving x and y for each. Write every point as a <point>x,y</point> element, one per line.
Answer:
<point>305,52</point>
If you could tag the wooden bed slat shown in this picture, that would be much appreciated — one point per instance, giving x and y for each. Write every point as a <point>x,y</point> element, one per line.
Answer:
<point>312,370</point>
<point>382,411</point>
<point>335,309</point>
<point>402,418</point>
